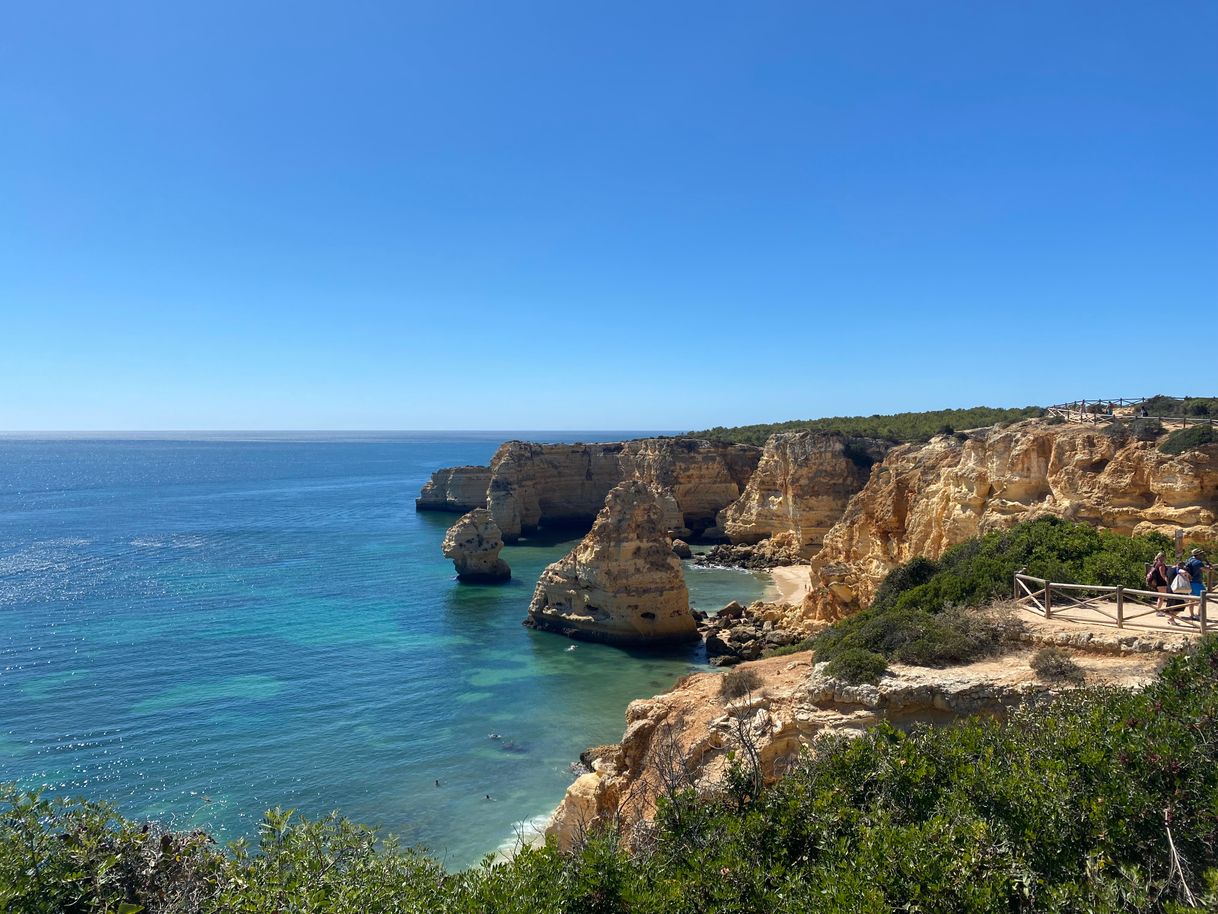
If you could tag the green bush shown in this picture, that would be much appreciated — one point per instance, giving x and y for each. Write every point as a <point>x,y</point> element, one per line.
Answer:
<point>921,613</point>
<point>796,648</point>
<point>1160,405</point>
<point>897,427</point>
<point>857,665</point>
<point>1056,665</point>
<point>1072,805</point>
<point>917,637</point>
<point>738,682</point>
<point>1186,439</point>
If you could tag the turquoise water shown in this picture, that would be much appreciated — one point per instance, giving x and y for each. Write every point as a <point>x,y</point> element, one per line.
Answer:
<point>202,629</point>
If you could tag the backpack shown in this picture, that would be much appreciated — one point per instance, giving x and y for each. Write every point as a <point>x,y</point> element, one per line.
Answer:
<point>1152,577</point>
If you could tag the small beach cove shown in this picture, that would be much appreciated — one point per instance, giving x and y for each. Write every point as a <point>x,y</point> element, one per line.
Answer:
<point>202,629</point>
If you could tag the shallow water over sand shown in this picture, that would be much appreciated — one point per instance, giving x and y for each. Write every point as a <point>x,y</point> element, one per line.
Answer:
<point>201,629</point>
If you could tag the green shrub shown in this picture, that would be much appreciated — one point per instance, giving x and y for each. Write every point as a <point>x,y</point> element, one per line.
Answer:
<point>1186,439</point>
<point>857,665</point>
<point>1160,405</point>
<point>738,682</point>
<point>796,648</point>
<point>897,427</point>
<point>1056,665</point>
<point>1065,806</point>
<point>920,613</point>
<point>918,637</point>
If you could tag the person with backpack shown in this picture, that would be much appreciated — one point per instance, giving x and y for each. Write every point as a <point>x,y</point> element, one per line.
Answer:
<point>1157,579</point>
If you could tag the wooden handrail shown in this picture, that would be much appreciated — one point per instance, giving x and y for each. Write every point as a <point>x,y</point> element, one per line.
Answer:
<point>1047,607</point>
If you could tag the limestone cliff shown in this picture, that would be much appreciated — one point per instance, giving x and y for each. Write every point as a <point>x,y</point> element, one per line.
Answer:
<point>925,498</point>
<point>802,484</point>
<point>474,543</point>
<point>565,484</point>
<point>622,583</point>
<point>456,489</point>
<point>683,738</point>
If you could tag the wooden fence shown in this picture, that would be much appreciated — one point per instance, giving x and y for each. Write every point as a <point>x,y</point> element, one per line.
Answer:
<point>1105,410</point>
<point>1098,604</point>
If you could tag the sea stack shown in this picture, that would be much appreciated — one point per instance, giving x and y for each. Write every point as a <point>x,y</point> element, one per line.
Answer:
<point>473,543</point>
<point>621,584</point>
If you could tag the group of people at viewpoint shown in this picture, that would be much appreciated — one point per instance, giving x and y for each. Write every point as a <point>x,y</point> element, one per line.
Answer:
<point>1187,577</point>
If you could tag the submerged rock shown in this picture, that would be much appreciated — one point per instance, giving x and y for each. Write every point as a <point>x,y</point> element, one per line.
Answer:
<point>622,583</point>
<point>473,543</point>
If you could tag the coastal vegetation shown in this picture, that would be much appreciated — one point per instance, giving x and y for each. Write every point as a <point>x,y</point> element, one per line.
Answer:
<point>897,427</point>
<point>1186,439</point>
<point>927,613</point>
<point>1101,800</point>
<point>1161,405</point>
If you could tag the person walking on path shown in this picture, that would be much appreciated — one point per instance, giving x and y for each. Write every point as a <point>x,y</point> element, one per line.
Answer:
<point>1158,578</point>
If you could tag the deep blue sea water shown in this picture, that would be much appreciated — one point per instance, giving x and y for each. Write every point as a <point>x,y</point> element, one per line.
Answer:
<point>201,628</point>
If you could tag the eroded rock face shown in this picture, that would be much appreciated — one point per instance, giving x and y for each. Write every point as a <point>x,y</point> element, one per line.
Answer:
<point>473,543</point>
<point>925,498</point>
<point>455,489</point>
<point>565,484</point>
<point>622,583</point>
<point>801,486</point>
<point>690,731</point>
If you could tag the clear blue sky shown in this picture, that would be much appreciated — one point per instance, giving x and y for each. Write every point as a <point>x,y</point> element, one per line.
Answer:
<point>570,215</point>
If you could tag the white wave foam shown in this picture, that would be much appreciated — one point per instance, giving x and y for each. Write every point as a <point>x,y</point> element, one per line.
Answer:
<point>526,833</point>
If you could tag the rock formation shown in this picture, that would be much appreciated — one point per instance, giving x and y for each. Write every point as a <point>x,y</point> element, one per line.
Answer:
<point>779,549</point>
<point>683,738</point>
<point>925,498</point>
<point>737,633</point>
<point>801,486</point>
<point>565,484</point>
<point>456,489</point>
<point>473,543</point>
<point>622,583</point>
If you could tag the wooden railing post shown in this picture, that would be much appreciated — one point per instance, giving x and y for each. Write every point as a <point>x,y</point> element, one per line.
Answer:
<point>1120,592</point>
<point>1048,598</point>
<point>1204,622</point>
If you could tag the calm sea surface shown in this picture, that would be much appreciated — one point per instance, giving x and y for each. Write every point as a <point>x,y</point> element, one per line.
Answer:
<point>202,629</point>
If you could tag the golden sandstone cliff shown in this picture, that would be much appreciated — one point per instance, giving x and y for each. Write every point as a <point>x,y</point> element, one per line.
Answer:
<point>474,543</point>
<point>801,486</point>
<point>532,485</point>
<point>817,496</point>
<point>925,498</point>
<point>687,737</point>
<point>456,489</point>
<point>622,583</point>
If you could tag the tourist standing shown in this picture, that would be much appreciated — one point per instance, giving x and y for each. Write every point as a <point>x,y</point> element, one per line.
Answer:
<point>1196,566</point>
<point>1158,578</point>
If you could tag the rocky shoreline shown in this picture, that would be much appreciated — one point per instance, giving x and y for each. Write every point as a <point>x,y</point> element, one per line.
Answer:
<point>829,516</point>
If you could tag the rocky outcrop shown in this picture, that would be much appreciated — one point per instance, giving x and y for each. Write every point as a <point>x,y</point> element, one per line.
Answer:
<point>801,486</point>
<point>455,489</point>
<point>533,485</point>
<point>780,549</point>
<point>683,739</point>
<point>925,498</point>
<point>738,633</point>
<point>622,583</point>
<point>473,543</point>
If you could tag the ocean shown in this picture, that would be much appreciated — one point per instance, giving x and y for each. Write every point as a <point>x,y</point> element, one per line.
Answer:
<point>198,628</point>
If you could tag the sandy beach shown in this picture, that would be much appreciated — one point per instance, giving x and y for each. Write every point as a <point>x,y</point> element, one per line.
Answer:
<point>791,582</point>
